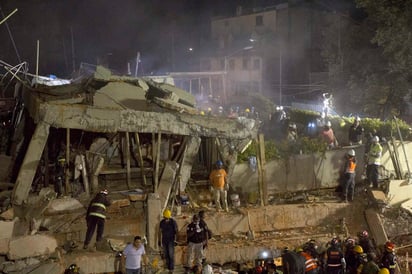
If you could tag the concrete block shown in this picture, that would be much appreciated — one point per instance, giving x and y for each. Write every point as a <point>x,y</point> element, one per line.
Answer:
<point>7,215</point>
<point>49,268</point>
<point>66,204</point>
<point>399,191</point>
<point>6,228</point>
<point>407,206</point>
<point>94,262</point>
<point>4,246</point>
<point>31,246</point>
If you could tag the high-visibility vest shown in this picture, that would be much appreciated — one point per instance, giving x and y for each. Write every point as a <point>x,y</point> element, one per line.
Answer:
<point>374,155</point>
<point>310,262</point>
<point>351,166</point>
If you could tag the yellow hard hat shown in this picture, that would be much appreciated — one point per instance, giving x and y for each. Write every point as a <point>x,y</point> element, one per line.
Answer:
<point>167,214</point>
<point>358,249</point>
<point>298,249</point>
<point>247,110</point>
<point>202,113</point>
<point>383,271</point>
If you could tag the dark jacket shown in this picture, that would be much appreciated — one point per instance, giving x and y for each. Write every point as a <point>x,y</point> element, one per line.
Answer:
<point>196,233</point>
<point>168,228</point>
<point>98,206</point>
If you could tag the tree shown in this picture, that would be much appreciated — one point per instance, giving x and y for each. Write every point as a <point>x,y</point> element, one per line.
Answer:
<point>362,76</point>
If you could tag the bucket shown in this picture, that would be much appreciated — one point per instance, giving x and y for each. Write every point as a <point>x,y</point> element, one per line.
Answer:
<point>235,200</point>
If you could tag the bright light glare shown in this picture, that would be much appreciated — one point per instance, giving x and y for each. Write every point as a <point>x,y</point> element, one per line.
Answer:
<point>265,254</point>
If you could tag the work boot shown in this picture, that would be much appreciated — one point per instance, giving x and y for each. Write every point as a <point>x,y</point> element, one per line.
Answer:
<point>85,247</point>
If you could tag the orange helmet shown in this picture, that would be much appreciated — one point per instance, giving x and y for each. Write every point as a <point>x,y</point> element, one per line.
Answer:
<point>389,246</point>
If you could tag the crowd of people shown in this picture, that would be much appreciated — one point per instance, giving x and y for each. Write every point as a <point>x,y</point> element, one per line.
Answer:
<point>350,256</point>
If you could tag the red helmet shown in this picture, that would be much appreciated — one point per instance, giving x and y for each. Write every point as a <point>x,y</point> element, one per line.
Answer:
<point>259,269</point>
<point>365,233</point>
<point>389,246</point>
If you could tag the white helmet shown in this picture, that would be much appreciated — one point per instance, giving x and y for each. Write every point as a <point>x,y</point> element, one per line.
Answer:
<point>328,124</point>
<point>357,118</point>
<point>292,125</point>
<point>375,139</point>
<point>351,152</point>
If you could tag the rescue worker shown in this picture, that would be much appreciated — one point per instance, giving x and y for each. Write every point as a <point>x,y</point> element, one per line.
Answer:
<point>196,239</point>
<point>355,265</point>
<point>335,261</point>
<point>374,161</point>
<point>355,132</point>
<point>370,266</point>
<point>247,113</point>
<point>167,238</point>
<point>328,135</point>
<point>96,216</point>
<point>60,175</point>
<point>292,263</point>
<point>350,254</point>
<point>366,242</point>
<point>72,269</point>
<point>292,135</point>
<point>384,271</point>
<point>389,258</point>
<point>349,176</point>
<point>311,264</point>
<point>219,186</point>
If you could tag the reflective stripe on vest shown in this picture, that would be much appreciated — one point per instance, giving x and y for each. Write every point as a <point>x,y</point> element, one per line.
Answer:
<point>99,205</point>
<point>310,263</point>
<point>100,215</point>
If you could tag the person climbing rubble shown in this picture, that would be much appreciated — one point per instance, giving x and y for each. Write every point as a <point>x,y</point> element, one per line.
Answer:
<point>167,238</point>
<point>328,135</point>
<point>219,186</point>
<point>196,239</point>
<point>96,217</point>
<point>349,176</point>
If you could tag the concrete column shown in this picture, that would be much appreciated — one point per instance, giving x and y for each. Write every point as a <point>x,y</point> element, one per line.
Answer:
<point>31,161</point>
<point>153,220</point>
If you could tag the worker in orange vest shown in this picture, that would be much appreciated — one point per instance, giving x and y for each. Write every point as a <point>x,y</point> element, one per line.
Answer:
<point>349,176</point>
<point>311,264</point>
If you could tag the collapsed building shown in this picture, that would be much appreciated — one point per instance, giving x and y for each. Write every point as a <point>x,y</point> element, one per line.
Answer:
<point>149,145</point>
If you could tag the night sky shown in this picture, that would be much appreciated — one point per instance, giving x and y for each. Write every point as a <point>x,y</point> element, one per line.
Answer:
<point>113,31</point>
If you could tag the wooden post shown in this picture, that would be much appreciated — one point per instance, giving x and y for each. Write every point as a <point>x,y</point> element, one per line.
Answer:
<point>262,160</point>
<point>159,139</point>
<point>140,158</point>
<point>128,175</point>
<point>67,173</point>
<point>46,165</point>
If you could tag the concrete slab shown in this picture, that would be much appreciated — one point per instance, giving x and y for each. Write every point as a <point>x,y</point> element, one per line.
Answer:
<point>376,227</point>
<point>399,191</point>
<point>31,246</point>
<point>407,206</point>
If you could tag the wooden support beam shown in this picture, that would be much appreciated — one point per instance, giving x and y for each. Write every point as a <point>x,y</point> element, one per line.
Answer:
<point>262,160</point>
<point>67,171</point>
<point>159,140</point>
<point>140,157</point>
<point>128,175</point>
